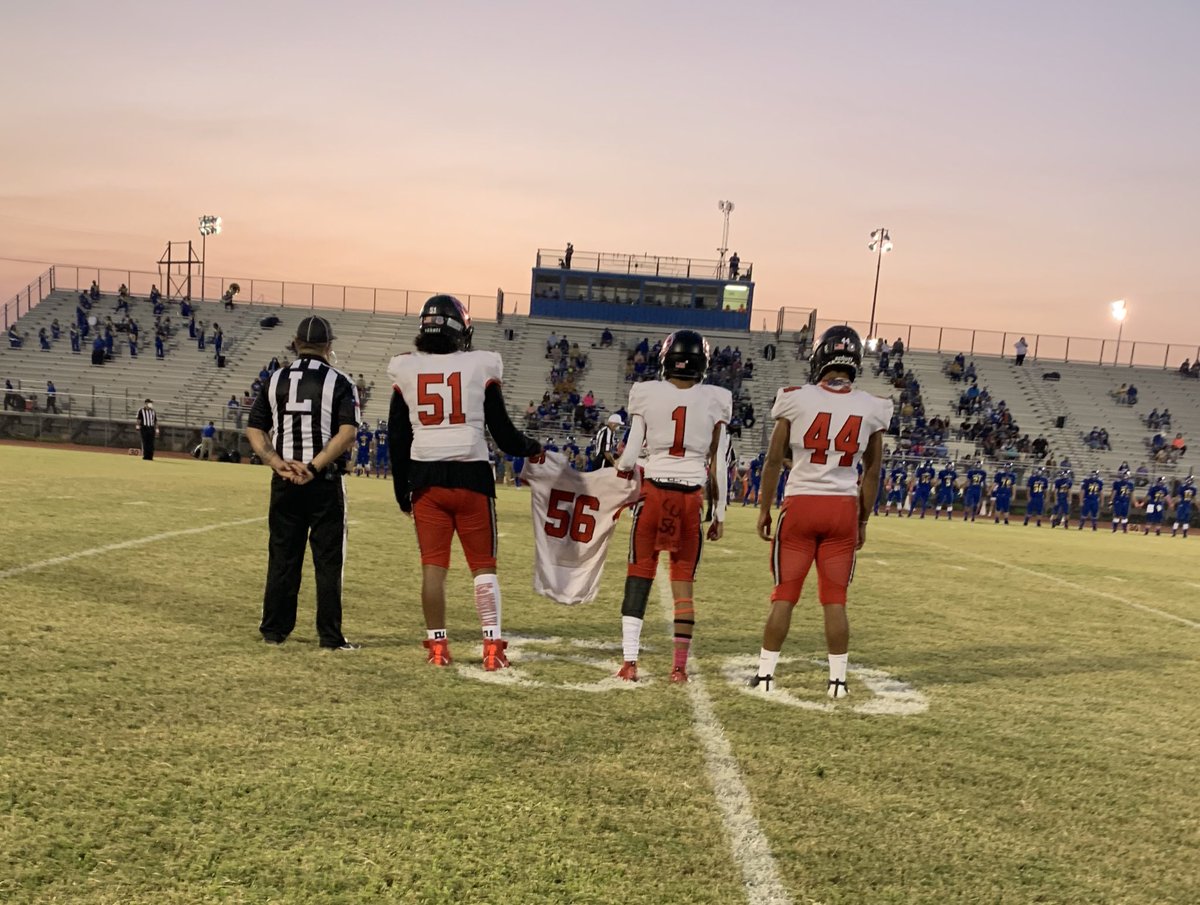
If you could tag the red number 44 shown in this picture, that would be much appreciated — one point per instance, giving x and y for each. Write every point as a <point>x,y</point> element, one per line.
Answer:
<point>816,439</point>
<point>568,514</point>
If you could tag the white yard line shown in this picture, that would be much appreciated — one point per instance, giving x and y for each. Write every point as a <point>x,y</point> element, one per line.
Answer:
<point>124,545</point>
<point>1192,584</point>
<point>960,568</point>
<point>751,851</point>
<point>1062,581</point>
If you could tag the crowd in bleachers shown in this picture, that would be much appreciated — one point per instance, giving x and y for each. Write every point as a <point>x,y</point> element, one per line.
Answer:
<point>565,405</point>
<point>1190,370</point>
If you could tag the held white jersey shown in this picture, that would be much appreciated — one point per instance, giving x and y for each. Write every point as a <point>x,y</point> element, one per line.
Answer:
<point>830,427</point>
<point>444,395</point>
<point>677,427</point>
<point>574,514</point>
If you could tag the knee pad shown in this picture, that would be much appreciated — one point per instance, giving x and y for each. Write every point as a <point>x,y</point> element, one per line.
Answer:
<point>637,593</point>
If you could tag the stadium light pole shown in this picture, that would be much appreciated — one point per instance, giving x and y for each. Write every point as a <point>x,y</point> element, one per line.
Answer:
<point>1119,311</point>
<point>881,242</point>
<point>725,207</point>
<point>209,226</point>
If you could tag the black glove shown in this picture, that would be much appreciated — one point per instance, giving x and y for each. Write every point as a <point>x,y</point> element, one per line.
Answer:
<point>405,501</point>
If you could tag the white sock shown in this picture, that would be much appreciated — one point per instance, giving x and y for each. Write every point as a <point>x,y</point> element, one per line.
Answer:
<point>435,634</point>
<point>631,637</point>
<point>767,659</point>
<point>837,667</point>
<point>487,604</point>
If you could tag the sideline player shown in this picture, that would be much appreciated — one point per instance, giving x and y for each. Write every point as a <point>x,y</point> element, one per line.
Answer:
<point>1089,506</point>
<point>1183,505</point>
<point>382,461</point>
<point>1122,496</point>
<point>362,452</point>
<point>1155,503</point>
<point>683,425</point>
<point>1062,499</point>
<point>881,494</point>
<point>922,487</point>
<point>896,495</point>
<point>1005,479</point>
<point>973,492</point>
<point>947,480</point>
<point>754,479</point>
<point>1038,484</point>
<point>445,394</point>
<point>828,428</point>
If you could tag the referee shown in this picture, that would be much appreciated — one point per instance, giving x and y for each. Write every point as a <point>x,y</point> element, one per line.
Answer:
<point>147,424</point>
<point>302,425</point>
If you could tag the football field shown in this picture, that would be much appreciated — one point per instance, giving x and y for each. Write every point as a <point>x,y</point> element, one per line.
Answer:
<point>1022,727</point>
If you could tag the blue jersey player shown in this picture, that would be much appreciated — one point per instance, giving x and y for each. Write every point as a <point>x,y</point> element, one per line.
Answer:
<point>1038,484</point>
<point>899,478</point>
<point>1002,491</point>
<point>1122,496</point>
<point>1062,498</point>
<point>924,476</point>
<point>973,492</point>
<point>1156,505</point>
<point>754,478</point>
<point>362,450</point>
<point>881,493</point>
<point>947,483</point>
<point>1183,505</point>
<point>1089,506</point>
<point>382,461</point>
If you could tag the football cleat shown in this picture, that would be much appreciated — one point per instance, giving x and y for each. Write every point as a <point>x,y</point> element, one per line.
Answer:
<point>439,651</point>
<point>838,689</point>
<point>628,671</point>
<point>761,684</point>
<point>493,655</point>
<point>679,675</point>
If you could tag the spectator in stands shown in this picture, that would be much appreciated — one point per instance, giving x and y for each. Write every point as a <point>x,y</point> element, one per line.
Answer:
<point>1131,395</point>
<point>969,371</point>
<point>98,349</point>
<point>74,334</point>
<point>15,340</point>
<point>123,292</point>
<point>235,409</point>
<point>227,298</point>
<point>201,339</point>
<point>133,344</point>
<point>1195,372</point>
<point>606,338</point>
<point>1104,444</point>
<point>1164,418</point>
<point>1118,395</point>
<point>109,339</point>
<point>567,256</point>
<point>218,340</point>
<point>207,433</point>
<point>551,343</point>
<point>155,295</point>
<point>55,330</point>
<point>256,387</point>
<point>897,348</point>
<point>12,399</point>
<point>1152,419</point>
<point>160,349</point>
<point>94,291</point>
<point>1021,348</point>
<point>192,326</point>
<point>735,264</point>
<point>51,397</point>
<point>122,304</point>
<point>43,339</point>
<point>272,366</point>
<point>1178,446</point>
<point>185,308</point>
<point>1142,476</point>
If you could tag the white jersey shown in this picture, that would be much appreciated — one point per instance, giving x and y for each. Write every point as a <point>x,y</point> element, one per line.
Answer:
<point>677,427</point>
<point>574,514</point>
<point>830,427</point>
<point>444,395</point>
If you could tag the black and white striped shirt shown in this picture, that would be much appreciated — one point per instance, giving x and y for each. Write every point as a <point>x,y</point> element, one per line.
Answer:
<point>146,417</point>
<point>303,405</point>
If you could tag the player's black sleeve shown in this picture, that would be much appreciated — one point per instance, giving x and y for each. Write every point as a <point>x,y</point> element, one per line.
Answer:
<point>504,432</point>
<point>400,437</point>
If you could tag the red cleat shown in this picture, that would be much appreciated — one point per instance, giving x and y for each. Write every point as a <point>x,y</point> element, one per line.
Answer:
<point>628,671</point>
<point>493,655</point>
<point>679,675</point>
<point>439,651</point>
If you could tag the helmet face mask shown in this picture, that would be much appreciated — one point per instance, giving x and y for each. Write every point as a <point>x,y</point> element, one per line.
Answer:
<point>685,355</point>
<point>839,347</point>
<point>446,316</point>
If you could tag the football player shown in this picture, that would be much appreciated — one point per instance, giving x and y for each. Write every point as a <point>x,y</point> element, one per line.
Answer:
<point>1004,481</point>
<point>445,394</point>
<point>1122,496</point>
<point>829,429</point>
<point>1183,505</point>
<point>754,479</point>
<point>1038,485</point>
<point>881,493</point>
<point>922,487</point>
<point>973,492</point>
<point>1062,498</point>
<point>899,479</point>
<point>1155,503</point>
<point>1089,507</point>
<point>362,452</point>
<point>682,423</point>
<point>382,462</point>
<point>947,479</point>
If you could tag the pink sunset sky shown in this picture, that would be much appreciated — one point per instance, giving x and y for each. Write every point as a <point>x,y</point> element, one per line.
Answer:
<point>1033,161</point>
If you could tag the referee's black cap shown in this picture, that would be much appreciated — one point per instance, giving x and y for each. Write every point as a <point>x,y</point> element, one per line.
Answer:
<point>315,330</point>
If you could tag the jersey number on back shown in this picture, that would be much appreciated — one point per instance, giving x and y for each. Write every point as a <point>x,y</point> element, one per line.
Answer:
<point>567,513</point>
<point>816,439</point>
<point>431,407</point>
<point>679,416</point>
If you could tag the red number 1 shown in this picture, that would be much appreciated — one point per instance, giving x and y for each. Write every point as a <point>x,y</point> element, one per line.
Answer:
<point>679,416</point>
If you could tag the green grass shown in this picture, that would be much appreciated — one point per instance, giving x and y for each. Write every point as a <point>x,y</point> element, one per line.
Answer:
<point>151,751</point>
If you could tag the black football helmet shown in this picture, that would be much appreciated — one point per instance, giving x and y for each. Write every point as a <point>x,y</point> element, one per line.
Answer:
<point>838,347</point>
<point>444,315</point>
<point>685,354</point>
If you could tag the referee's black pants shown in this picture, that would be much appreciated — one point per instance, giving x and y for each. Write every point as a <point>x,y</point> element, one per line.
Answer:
<point>314,513</point>
<point>147,442</point>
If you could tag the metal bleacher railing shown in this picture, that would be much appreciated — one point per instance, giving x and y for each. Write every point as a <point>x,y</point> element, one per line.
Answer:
<point>638,265</point>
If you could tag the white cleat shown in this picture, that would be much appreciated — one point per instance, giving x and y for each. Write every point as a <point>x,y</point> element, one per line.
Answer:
<point>838,689</point>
